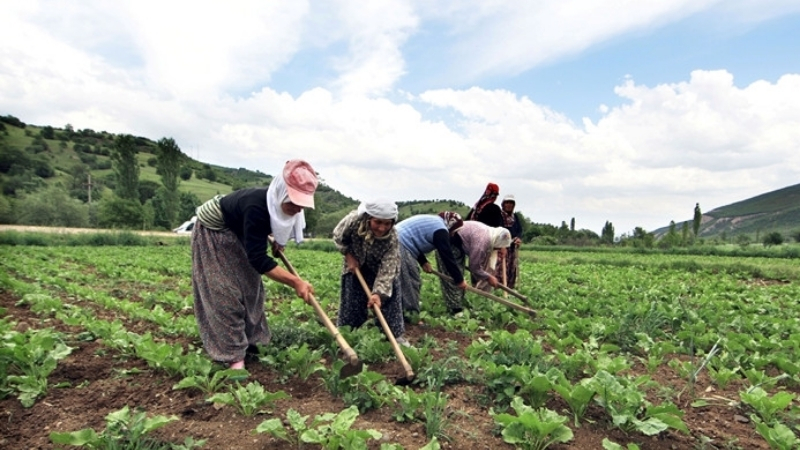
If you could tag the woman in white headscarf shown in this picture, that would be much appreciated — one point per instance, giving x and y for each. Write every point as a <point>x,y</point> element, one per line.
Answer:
<point>367,239</point>
<point>482,245</point>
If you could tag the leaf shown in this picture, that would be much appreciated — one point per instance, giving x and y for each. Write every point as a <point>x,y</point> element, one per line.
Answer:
<point>77,438</point>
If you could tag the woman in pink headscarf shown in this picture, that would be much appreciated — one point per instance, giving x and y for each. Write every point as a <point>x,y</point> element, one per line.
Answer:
<point>229,255</point>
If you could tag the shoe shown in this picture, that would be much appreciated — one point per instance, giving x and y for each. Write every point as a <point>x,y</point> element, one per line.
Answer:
<point>403,341</point>
<point>459,314</point>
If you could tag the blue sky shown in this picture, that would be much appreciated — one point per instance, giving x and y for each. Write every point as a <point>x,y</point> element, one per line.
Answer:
<point>622,111</point>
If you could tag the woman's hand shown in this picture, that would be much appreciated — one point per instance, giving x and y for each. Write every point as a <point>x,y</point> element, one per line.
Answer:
<point>351,262</point>
<point>304,290</point>
<point>374,300</point>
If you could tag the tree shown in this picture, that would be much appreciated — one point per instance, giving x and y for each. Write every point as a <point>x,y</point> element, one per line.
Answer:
<point>52,207</point>
<point>685,233</point>
<point>121,213</point>
<point>126,167</point>
<point>187,205</point>
<point>572,224</point>
<point>773,238</point>
<point>607,235</point>
<point>698,216</point>
<point>169,165</point>
<point>670,239</point>
<point>186,172</point>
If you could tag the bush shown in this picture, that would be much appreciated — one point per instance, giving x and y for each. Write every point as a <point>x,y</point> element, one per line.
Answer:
<point>52,207</point>
<point>121,213</point>
<point>773,238</point>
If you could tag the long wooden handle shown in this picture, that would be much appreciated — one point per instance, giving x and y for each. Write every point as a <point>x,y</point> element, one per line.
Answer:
<point>386,329</point>
<point>502,286</point>
<point>348,351</point>
<point>524,309</point>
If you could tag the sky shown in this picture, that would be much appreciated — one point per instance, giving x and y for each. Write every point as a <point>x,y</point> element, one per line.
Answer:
<point>622,111</point>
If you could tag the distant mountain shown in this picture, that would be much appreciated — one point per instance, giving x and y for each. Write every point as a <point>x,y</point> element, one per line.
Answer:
<point>773,211</point>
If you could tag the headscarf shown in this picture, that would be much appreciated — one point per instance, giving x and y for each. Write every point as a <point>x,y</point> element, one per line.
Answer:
<point>452,220</point>
<point>508,218</point>
<point>284,226</point>
<point>489,196</point>
<point>501,238</point>
<point>379,209</point>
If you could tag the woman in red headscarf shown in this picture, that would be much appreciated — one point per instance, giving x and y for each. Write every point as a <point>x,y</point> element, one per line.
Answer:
<point>486,210</point>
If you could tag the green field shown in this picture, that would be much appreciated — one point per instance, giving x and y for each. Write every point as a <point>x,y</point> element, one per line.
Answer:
<point>673,346</point>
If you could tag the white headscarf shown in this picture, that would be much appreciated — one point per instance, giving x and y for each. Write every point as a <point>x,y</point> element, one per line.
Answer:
<point>501,238</point>
<point>379,209</point>
<point>284,227</point>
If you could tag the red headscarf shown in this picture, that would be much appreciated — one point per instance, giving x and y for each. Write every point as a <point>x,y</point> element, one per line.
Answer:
<point>489,196</point>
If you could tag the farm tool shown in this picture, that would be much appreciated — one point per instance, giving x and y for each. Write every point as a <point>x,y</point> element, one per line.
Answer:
<point>409,378</point>
<point>354,365</point>
<point>510,304</point>
<point>503,287</point>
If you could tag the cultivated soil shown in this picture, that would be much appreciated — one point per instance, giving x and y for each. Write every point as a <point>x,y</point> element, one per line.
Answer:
<point>100,382</point>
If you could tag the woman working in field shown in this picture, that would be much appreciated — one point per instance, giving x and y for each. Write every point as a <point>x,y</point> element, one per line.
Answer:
<point>229,255</point>
<point>420,235</point>
<point>483,245</point>
<point>368,240</point>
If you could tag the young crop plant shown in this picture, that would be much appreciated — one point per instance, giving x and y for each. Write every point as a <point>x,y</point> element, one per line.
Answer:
<point>295,360</point>
<point>767,407</point>
<point>210,384</point>
<point>628,408</point>
<point>124,430</point>
<point>577,396</point>
<point>28,359</point>
<point>248,400</point>
<point>330,431</point>
<point>367,390</point>
<point>451,371</point>
<point>777,435</point>
<point>532,429</point>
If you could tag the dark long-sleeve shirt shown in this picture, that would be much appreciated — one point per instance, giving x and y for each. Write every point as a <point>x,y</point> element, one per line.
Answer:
<point>246,214</point>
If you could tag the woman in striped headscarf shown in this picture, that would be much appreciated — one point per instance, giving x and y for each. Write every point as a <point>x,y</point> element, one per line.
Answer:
<point>229,255</point>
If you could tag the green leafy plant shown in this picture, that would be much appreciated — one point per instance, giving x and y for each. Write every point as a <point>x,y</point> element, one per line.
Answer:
<point>330,431</point>
<point>248,400</point>
<point>532,429</point>
<point>767,407</point>
<point>578,396</point>
<point>28,359</point>
<point>778,435</point>
<point>295,361</point>
<point>611,445</point>
<point>124,430</point>
<point>210,384</point>
<point>628,408</point>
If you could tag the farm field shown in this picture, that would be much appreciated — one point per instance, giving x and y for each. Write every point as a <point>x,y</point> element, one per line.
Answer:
<point>627,351</point>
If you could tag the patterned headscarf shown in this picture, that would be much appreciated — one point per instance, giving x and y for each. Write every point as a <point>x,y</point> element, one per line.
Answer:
<point>489,196</point>
<point>452,220</point>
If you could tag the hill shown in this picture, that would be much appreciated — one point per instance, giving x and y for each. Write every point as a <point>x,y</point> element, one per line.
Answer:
<point>777,210</point>
<point>33,158</point>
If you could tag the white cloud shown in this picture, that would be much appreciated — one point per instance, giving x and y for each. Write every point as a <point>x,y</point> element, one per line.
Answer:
<point>201,74</point>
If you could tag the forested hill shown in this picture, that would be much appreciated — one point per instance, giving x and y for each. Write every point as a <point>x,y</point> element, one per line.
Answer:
<point>47,164</point>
